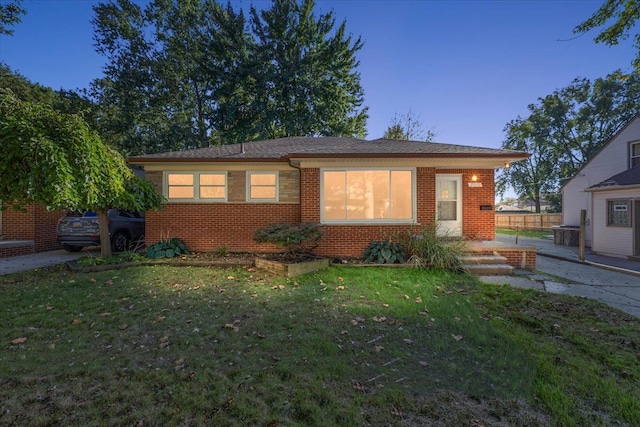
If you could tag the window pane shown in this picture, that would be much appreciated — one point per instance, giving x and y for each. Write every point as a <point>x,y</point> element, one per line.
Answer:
<point>263,192</point>
<point>334,195</point>
<point>263,179</point>
<point>447,190</point>
<point>401,203</point>
<point>181,192</point>
<point>447,211</point>
<point>356,195</point>
<point>180,179</point>
<point>211,192</point>
<point>635,149</point>
<point>619,213</point>
<point>212,179</point>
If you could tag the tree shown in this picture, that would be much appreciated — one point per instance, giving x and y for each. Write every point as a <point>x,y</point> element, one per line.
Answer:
<point>54,159</point>
<point>10,15</point>
<point>192,73</point>
<point>564,130</point>
<point>624,14</point>
<point>408,127</point>
<point>307,83</point>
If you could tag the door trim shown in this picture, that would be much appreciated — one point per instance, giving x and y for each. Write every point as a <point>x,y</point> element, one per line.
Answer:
<point>453,229</point>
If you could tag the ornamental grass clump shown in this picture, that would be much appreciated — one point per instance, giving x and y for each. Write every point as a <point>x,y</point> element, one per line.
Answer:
<point>429,249</point>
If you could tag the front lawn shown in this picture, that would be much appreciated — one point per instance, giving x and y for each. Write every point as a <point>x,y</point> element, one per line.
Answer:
<point>163,345</point>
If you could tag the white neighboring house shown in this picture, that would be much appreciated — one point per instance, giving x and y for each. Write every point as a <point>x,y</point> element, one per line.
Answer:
<point>608,188</point>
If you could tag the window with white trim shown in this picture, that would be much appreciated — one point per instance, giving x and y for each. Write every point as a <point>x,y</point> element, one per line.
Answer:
<point>367,195</point>
<point>262,186</point>
<point>619,213</point>
<point>634,152</point>
<point>196,186</point>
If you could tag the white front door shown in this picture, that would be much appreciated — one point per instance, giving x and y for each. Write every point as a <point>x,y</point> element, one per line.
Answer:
<point>449,205</point>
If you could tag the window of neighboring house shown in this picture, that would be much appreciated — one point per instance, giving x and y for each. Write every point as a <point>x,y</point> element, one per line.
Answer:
<point>361,195</point>
<point>262,186</point>
<point>635,155</point>
<point>619,213</point>
<point>200,186</point>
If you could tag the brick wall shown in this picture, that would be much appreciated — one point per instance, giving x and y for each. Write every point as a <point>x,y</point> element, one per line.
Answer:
<point>36,224</point>
<point>352,240</point>
<point>208,227</point>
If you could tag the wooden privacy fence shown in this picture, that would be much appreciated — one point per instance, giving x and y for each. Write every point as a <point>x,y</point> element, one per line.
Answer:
<point>532,221</point>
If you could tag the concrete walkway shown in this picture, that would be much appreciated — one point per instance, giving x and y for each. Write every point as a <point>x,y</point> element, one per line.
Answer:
<point>18,264</point>
<point>613,281</point>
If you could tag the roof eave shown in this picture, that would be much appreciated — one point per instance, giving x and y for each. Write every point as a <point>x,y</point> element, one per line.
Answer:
<point>612,188</point>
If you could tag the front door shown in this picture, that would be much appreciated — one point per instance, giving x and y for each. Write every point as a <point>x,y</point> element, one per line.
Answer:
<point>449,205</point>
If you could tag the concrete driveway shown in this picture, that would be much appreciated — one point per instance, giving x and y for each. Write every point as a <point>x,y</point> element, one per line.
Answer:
<point>22,263</point>
<point>613,281</point>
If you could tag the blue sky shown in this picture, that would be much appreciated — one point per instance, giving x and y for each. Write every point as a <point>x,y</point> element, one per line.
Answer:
<point>465,68</point>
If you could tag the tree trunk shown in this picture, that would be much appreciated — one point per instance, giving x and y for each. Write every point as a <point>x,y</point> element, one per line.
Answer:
<point>105,239</point>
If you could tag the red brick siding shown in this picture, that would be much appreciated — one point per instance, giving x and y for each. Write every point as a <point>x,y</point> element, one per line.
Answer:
<point>36,224</point>
<point>16,251</point>
<point>208,227</point>
<point>477,224</point>
<point>351,240</point>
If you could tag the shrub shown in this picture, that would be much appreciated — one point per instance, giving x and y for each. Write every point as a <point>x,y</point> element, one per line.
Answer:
<point>167,249</point>
<point>384,252</point>
<point>430,250</point>
<point>294,238</point>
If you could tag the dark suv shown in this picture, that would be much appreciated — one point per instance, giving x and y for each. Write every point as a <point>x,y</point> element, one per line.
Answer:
<point>77,231</point>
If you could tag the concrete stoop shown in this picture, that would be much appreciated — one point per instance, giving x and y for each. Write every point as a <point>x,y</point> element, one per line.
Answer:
<point>486,265</point>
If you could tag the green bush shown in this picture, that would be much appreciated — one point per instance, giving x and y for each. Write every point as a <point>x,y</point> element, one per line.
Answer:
<point>430,250</point>
<point>167,249</point>
<point>384,252</point>
<point>294,238</point>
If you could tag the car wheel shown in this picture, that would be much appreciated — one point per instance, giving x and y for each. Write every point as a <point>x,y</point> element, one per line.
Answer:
<point>71,248</point>
<point>120,241</point>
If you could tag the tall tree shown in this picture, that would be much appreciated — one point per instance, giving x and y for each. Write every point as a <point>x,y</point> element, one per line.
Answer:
<point>306,72</point>
<point>54,159</point>
<point>565,129</point>
<point>408,127</point>
<point>192,73</point>
<point>619,17</point>
<point>10,15</point>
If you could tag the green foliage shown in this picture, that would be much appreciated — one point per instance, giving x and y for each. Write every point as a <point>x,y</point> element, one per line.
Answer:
<point>621,17</point>
<point>167,249</point>
<point>195,74</point>
<point>384,252</point>
<point>294,238</point>
<point>429,249</point>
<point>10,13</point>
<point>89,261</point>
<point>564,131</point>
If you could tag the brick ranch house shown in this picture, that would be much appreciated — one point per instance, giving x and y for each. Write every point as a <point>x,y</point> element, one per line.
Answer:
<point>358,190</point>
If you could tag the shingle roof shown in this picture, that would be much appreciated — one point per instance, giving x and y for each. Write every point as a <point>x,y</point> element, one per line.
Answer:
<point>304,147</point>
<point>628,177</point>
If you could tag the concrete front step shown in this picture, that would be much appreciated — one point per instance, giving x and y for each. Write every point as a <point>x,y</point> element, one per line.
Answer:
<point>489,269</point>
<point>483,259</point>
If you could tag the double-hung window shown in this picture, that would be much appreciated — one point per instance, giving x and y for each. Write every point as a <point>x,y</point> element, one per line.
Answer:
<point>196,186</point>
<point>262,186</point>
<point>634,154</point>
<point>368,195</point>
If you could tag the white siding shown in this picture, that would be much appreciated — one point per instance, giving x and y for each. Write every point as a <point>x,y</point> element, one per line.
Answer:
<point>616,241</point>
<point>611,160</point>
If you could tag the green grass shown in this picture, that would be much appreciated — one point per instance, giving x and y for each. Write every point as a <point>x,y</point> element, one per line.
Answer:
<point>537,234</point>
<point>348,346</point>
